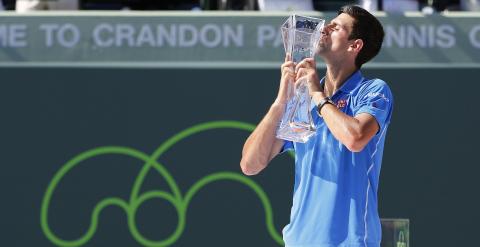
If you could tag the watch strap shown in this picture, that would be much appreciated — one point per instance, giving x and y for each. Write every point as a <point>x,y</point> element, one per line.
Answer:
<point>322,103</point>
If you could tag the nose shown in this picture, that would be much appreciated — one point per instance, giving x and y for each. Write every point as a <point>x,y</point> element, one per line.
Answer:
<point>326,29</point>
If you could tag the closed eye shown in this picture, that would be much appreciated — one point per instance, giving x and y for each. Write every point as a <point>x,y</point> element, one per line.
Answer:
<point>334,26</point>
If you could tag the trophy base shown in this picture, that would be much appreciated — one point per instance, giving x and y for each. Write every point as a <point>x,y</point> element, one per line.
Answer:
<point>295,132</point>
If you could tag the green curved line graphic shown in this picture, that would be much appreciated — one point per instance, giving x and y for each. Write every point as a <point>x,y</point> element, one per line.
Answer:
<point>136,199</point>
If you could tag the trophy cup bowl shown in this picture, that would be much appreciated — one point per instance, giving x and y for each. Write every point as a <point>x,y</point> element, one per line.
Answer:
<point>301,35</point>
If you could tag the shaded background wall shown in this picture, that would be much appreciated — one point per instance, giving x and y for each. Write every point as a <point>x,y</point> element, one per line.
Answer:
<point>51,115</point>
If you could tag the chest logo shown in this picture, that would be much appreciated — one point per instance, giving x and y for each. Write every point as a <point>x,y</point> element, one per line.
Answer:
<point>341,103</point>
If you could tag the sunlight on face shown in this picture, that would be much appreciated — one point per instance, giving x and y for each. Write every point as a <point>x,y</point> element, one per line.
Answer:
<point>335,36</point>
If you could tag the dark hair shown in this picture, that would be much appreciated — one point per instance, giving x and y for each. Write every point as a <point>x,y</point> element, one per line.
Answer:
<point>367,28</point>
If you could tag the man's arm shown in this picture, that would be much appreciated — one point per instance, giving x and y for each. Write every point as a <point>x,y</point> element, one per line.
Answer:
<point>262,145</point>
<point>353,132</point>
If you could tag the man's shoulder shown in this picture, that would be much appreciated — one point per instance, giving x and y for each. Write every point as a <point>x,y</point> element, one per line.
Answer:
<point>372,88</point>
<point>373,85</point>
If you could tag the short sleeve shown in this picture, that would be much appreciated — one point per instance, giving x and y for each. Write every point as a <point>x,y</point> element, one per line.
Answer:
<point>376,99</point>
<point>287,146</point>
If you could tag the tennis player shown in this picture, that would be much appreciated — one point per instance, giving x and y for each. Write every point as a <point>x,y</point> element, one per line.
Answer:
<point>336,171</point>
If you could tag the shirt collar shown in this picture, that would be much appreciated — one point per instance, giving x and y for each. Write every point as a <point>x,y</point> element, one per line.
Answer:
<point>351,83</point>
<point>347,87</point>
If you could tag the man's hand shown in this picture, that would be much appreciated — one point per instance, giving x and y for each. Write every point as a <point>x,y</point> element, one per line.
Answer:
<point>286,81</point>
<point>307,70</point>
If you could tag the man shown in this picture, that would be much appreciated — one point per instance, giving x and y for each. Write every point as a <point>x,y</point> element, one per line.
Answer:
<point>337,170</point>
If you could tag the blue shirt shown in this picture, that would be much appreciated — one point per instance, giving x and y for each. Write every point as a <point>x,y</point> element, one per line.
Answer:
<point>335,192</point>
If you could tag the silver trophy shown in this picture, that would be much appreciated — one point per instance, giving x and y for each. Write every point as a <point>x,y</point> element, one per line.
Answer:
<point>300,38</point>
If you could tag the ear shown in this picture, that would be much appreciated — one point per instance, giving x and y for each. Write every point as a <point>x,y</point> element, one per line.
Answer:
<point>356,45</point>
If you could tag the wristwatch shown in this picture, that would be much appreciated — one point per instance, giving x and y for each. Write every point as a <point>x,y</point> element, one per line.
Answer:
<point>322,103</point>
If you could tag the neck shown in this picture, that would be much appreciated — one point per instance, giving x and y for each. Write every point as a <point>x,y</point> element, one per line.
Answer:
<point>336,76</point>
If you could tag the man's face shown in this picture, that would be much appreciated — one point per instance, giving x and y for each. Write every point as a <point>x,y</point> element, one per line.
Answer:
<point>335,36</point>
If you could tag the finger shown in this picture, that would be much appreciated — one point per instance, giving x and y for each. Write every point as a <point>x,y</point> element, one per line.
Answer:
<point>307,62</point>
<point>288,70</point>
<point>301,72</point>
<point>287,73</point>
<point>288,64</point>
<point>302,64</point>
<point>311,61</point>
<point>300,80</point>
